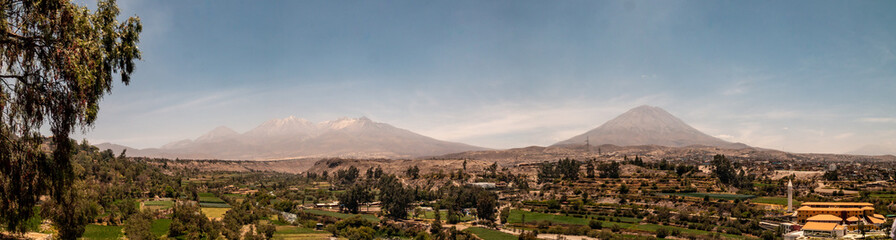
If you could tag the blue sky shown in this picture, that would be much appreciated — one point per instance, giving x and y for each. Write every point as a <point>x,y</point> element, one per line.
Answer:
<point>802,76</point>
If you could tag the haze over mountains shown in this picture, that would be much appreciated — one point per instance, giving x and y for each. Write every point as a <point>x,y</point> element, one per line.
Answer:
<point>292,138</point>
<point>647,125</point>
<point>299,138</point>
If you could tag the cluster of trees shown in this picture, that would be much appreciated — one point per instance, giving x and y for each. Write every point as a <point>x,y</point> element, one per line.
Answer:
<point>566,169</point>
<point>731,173</point>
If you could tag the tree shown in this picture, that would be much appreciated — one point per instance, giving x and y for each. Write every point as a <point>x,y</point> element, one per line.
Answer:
<point>348,176</point>
<point>589,169</point>
<point>57,60</point>
<point>486,202</point>
<point>493,170</point>
<point>395,198</point>
<point>137,226</point>
<point>353,197</point>
<point>609,170</point>
<point>505,215</point>
<point>724,169</point>
<point>569,168</point>
<point>413,172</point>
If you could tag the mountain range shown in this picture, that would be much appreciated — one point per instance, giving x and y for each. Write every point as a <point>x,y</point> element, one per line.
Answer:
<point>296,138</point>
<point>292,137</point>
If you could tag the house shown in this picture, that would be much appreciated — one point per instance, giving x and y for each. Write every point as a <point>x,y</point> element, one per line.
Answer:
<point>824,229</point>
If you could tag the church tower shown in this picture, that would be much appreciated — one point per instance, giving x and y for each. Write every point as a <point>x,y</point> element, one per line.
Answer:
<point>789,196</point>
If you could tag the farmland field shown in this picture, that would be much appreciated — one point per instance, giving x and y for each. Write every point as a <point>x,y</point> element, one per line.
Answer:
<point>217,213</point>
<point>774,200</point>
<point>102,232</point>
<point>723,196</point>
<point>491,234</point>
<point>160,227</point>
<point>210,198</point>
<point>339,215</point>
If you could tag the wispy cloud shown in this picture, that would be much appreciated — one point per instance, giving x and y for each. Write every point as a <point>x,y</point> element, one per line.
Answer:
<point>878,120</point>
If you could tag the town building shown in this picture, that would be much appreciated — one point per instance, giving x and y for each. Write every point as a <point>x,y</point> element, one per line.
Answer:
<point>850,215</point>
<point>823,229</point>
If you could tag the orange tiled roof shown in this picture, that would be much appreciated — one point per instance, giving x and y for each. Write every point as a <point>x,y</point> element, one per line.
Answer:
<point>837,204</point>
<point>879,216</point>
<point>852,219</point>
<point>820,226</point>
<point>867,208</point>
<point>825,218</point>
<point>876,220</point>
<point>807,208</point>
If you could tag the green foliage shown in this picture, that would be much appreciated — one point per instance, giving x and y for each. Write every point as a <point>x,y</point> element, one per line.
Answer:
<point>662,232</point>
<point>413,172</point>
<point>730,173</point>
<point>353,228</point>
<point>505,214</point>
<point>486,202</point>
<point>609,170</point>
<point>188,221</point>
<point>160,227</point>
<point>395,198</point>
<point>93,231</point>
<point>566,169</point>
<point>70,212</point>
<point>348,176</point>
<point>354,196</point>
<point>58,60</point>
<point>138,226</point>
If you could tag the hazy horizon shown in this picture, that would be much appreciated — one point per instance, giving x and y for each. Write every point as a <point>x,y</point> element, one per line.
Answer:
<point>803,76</point>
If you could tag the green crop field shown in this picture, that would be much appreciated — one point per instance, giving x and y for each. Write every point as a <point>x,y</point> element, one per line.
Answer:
<point>516,216</point>
<point>489,234</point>
<point>724,196</point>
<point>339,215</point>
<point>890,196</point>
<point>93,231</point>
<point>156,205</point>
<point>774,200</point>
<point>160,227</point>
<point>210,198</point>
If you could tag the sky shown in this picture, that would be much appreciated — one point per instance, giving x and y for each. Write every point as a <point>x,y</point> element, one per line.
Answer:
<point>799,76</point>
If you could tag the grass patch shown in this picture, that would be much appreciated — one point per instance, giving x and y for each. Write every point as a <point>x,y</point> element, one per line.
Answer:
<point>339,215</point>
<point>883,196</point>
<point>93,231</point>
<point>160,227</point>
<point>214,205</point>
<point>724,196</point>
<point>214,212</point>
<point>156,205</point>
<point>516,216</point>
<point>491,234</point>
<point>209,198</point>
<point>774,200</point>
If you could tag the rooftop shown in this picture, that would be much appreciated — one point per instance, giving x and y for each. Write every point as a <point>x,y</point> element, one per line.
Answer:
<point>808,208</point>
<point>824,218</point>
<point>837,204</point>
<point>820,226</point>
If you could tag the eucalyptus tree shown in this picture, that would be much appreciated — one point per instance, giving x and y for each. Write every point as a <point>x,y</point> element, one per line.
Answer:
<point>57,60</point>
